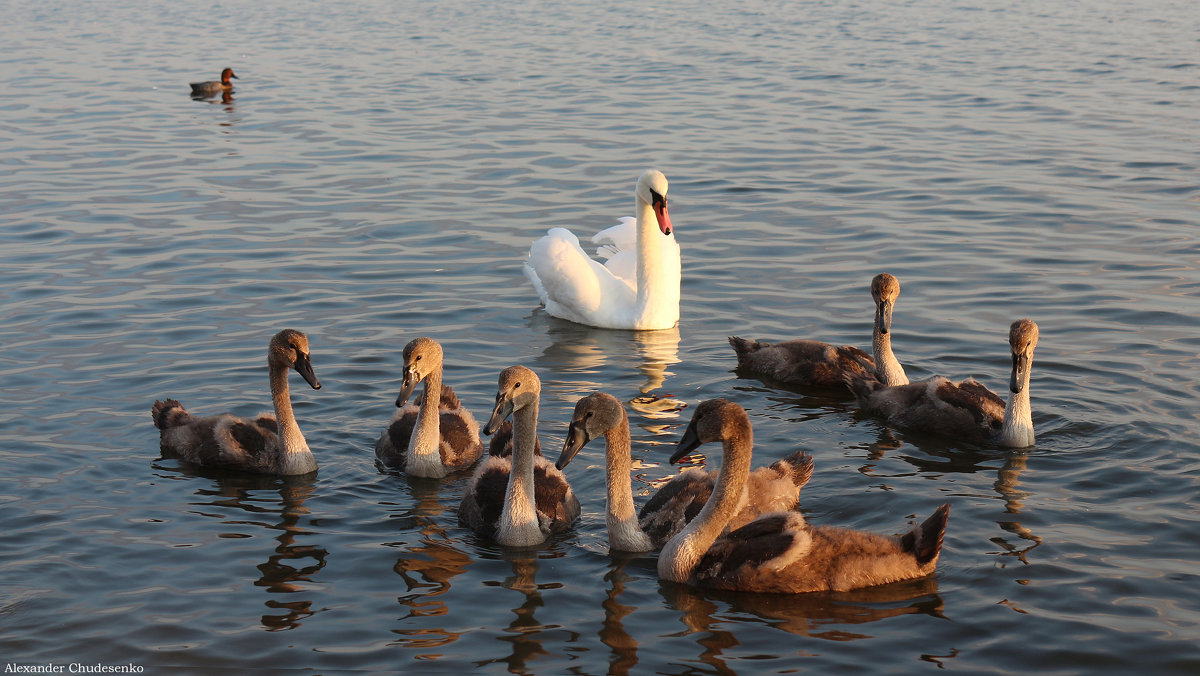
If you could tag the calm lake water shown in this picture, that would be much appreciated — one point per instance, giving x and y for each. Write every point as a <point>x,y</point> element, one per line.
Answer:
<point>379,175</point>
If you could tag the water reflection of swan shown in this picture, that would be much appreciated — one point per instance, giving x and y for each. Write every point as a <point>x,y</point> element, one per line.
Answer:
<point>613,634</point>
<point>286,570</point>
<point>819,615</point>
<point>428,568</point>
<point>581,351</point>
<point>948,459</point>
<point>524,631</point>
<point>1007,479</point>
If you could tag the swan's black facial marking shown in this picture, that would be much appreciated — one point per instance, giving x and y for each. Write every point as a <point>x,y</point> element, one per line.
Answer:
<point>659,204</point>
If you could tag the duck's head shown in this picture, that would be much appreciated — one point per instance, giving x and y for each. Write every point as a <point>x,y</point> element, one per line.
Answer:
<point>652,189</point>
<point>422,356</point>
<point>517,387</point>
<point>289,348</point>
<point>226,74</point>
<point>1022,338</point>
<point>884,289</point>
<point>713,420</point>
<point>594,416</point>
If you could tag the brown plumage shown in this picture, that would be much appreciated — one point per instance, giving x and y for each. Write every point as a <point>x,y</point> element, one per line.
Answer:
<point>501,442</point>
<point>497,501</point>
<point>780,552</point>
<point>770,489</point>
<point>489,484</point>
<point>267,444</point>
<point>680,500</point>
<point>816,364</point>
<point>449,438</point>
<point>967,411</point>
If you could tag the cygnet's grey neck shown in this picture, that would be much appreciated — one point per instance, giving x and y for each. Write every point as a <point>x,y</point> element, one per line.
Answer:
<point>518,525</point>
<point>424,457</point>
<point>624,533</point>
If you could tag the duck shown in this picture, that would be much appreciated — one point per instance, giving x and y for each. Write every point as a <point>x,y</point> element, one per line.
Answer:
<point>770,489</point>
<point>966,411</point>
<point>637,287</point>
<point>436,435</point>
<point>520,500</point>
<point>813,363</point>
<point>213,87</point>
<point>781,552</point>
<point>267,444</point>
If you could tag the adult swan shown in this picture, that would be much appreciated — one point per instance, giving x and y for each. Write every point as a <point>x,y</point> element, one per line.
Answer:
<point>637,287</point>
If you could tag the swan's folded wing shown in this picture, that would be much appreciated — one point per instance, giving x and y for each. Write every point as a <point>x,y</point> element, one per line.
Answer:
<point>618,248</point>
<point>974,397</point>
<point>620,237</point>
<point>623,266</point>
<point>769,543</point>
<point>575,286</point>
<point>556,503</point>
<point>675,504</point>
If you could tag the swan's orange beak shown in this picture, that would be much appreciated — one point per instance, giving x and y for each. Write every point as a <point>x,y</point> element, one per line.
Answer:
<point>660,212</point>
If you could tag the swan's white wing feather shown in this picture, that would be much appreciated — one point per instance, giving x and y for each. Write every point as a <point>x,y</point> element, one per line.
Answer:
<point>619,249</point>
<point>575,286</point>
<point>622,236</point>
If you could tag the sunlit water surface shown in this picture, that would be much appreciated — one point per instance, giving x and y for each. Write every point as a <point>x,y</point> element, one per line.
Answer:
<point>379,174</point>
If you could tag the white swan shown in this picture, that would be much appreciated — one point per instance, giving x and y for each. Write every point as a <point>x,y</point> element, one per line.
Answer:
<point>269,444</point>
<point>638,285</point>
<point>518,501</point>
<point>968,410</point>
<point>780,552</point>
<point>436,437</point>
<point>770,489</point>
<point>809,362</point>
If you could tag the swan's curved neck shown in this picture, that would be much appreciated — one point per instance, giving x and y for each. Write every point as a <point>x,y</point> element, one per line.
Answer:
<point>518,525</point>
<point>1017,428</point>
<point>653,287</point>
<point>424,456</point>
<point>296,455</point>
<point>624,533</point>
<point>887,368</point>
<point>680,556</point>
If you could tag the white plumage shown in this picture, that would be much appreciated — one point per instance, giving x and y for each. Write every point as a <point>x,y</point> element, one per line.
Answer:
<point>637,285</point>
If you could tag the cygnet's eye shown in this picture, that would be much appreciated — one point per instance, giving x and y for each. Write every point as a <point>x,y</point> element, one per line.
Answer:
<point>418,358</point>
<point>517,386</point>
